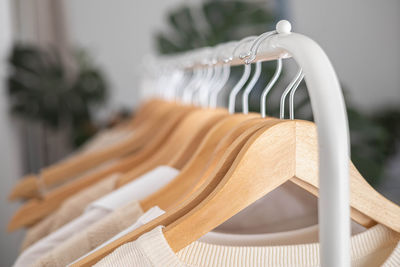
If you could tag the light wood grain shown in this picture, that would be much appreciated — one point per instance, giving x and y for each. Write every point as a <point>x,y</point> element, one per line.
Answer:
<point>254,165</point>
<point>239,135</point>
<point>181,145</point>
<point>26,188</point>
<point>291,149</point>
<point>35,210</point>
<point>188,176</point>
<point>67,169</point>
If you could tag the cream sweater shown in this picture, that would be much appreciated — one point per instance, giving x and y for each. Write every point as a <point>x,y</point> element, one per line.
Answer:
<point>377,246</point>
<point>72,208</point>
<point>92,236</point>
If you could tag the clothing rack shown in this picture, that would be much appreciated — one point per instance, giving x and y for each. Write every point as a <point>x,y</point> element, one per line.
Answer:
<point>330,117</point>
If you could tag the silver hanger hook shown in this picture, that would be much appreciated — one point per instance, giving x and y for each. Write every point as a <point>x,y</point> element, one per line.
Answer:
<point>251,56</point>
<point>269,86</point>
<point>243,79</point>
<point>196,78</point>
<point>252,53</point>
<point>222,74</point>
<point>212,78</point>
<point>203,90</point>
<point>225,73</point>
<point>291,97</point>
<point>250,86</point>
<point>203,85</point>
<point>292,86</point>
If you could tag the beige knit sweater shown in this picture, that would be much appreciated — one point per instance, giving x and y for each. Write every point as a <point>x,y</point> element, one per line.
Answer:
<point>377,246</point>
<point>93,236</point>
<point>69,210</point>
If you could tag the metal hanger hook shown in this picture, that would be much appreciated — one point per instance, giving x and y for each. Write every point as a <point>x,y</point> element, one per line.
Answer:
<point>269,86</point>
<point>251,55</point>
<point>292,86</point>
<point>250,86</point>
<point>243,79</point>
<point>291,97</point>
<point>224,73</point>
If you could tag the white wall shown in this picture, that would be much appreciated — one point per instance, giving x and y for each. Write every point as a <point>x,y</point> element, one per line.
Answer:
<point>362,39</point>
<point>118,34</point>
<point>9,159</point>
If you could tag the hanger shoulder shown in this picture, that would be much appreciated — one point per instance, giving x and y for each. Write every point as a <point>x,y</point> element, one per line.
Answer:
<point>77,165</point>
<point>283,144</point>
<point>26,188</point>
<point>368,206</point>
<point>188,149</point>
<point>51,201</point>
<point>180,185</point>
<point>82,162</point>
<point>243,133</point>
<point>183,141</point>
<point>235,135</point>
<point>36,209</point>
<point>250,174</point>
<point>142,113</point>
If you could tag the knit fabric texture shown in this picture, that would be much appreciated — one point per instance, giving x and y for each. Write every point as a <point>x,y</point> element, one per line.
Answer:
<point>93,236</point>
<point>72,208</point>
<point>377,246</point>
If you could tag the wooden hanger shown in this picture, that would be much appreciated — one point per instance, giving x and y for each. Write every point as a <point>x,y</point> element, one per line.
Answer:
<point>26,188</point>
<point>181,145</point>
<point>239,135</point>
<point>280,151</point>
<point>29,188</point>
<point>185,137</point>
<point>208,154</point>
<point>272,156</point>
<point>37,209</point>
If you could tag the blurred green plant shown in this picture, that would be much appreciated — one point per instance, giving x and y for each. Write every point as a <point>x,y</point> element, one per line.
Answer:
<point>212,23</point>
<point>373,138</point>
<point>40,90</point>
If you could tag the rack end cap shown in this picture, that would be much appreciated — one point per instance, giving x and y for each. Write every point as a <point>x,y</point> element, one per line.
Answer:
<point>283,26</point>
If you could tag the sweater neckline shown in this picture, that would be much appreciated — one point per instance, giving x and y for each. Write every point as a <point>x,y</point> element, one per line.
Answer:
<point>200,253</point>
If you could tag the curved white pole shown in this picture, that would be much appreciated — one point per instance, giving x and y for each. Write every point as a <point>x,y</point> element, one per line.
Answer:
<point>333,140</point>
<point>333,135</point>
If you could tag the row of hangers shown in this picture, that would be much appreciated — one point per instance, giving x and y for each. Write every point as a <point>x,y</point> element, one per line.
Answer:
<point>227,160</point>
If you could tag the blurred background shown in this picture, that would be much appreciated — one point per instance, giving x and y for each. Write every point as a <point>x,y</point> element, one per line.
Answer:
<point>72,68</point>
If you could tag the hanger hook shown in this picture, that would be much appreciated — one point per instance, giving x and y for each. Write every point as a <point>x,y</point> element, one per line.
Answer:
<point>291,97</point>
<point>243,79</point>
<point>224,71</point>
<point>269,86</point>
<point>292,85</point>
<point>196,79</point>
<point>250,86</point>
<point>253,53</point>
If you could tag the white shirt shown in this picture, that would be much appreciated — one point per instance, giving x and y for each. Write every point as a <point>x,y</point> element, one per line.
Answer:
<point>135,190</point>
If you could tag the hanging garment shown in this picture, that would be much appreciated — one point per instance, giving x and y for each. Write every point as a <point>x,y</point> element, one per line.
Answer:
<point>91,237</point>
<point>148,216</point>
<point>288,207</point>
<point>135,190</point>
<point>32,253</point>
<point>70,209</point>
<point>375,247</point>
<point>287,203</point>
